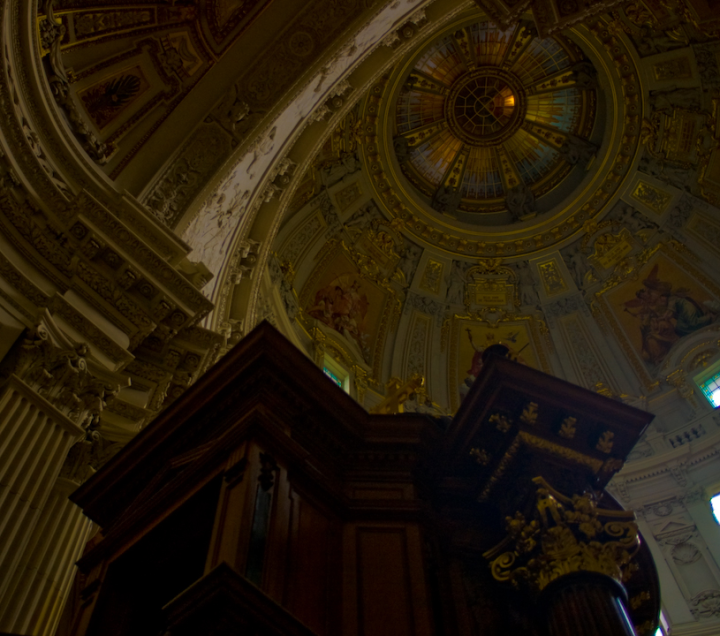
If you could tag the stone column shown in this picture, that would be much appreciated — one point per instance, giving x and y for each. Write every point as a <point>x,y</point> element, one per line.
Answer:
<point>42,581</point>
<point>34,440</point>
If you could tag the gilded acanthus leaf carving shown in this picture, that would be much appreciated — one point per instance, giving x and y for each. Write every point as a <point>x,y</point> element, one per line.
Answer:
<point>564,536</point>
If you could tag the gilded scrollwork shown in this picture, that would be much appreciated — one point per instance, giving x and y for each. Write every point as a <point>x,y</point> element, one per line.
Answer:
<point>563,536</point>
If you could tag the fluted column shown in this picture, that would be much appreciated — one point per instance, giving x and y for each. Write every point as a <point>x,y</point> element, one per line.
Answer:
<point>586,603</point>
<point>42,581</point>
<point>35,438</point>
<point>573,555</point>
<point>51,401</point>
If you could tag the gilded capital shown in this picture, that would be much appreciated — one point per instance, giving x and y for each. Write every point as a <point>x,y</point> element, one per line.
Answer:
<point>563,535</point>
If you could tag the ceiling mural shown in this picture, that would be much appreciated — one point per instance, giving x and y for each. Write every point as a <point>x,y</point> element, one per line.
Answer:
<point>471,337</point>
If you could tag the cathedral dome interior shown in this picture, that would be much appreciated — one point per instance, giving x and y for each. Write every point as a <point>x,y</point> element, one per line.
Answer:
<point>396,186</point>
<point>487,113</point>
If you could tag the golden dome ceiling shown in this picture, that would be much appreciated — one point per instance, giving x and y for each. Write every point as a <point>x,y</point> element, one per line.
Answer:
<point>485,112</point>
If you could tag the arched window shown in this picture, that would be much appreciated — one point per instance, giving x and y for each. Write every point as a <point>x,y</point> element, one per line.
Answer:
<point>715,503</point>
<point>711,388</point>
<point>337,373</point>
<point>708,381</point>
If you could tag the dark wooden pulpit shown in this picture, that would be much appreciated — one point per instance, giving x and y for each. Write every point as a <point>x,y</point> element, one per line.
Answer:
<point>267,502</point>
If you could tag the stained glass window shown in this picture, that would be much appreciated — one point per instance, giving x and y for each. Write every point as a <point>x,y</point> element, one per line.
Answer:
<point>711,389</point>
<point>488,106</point>
<point>333,377</point>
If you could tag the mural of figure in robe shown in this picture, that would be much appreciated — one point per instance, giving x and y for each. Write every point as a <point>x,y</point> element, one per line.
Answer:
<point>343,305</point>
<point>666,314</point>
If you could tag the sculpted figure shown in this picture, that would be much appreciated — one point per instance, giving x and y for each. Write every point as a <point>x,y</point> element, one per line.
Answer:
<point>262,147</point>
<point>677,176</point>
<point>447,200</point>
<point>577,151</point>
<point>402,150</point>
<point>231,110</point>
<point>578,266</point>
<point>520,202</point>
<point>634,220</point>
<point>456,285</point>
<point>409,261</point>
<point>338,170</point>
<point>680,214</point>
<point>365,217</point>
<point>52,35</point>
<point>585,75</point>
<point>528,291</point>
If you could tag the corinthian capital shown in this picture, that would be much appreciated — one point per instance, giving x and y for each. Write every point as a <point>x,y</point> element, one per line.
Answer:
<point>62,372</point>
<point>563,535</point>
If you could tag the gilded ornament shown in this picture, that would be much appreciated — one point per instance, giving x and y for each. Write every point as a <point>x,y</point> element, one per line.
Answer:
<point>567,428</point>
<point>432,277</point>
<point>552,280</point>
<point>530,413</point>
<point>481,457</point>
<point>611,249</point>
<point>398,392</point>
<point>678,379</point>
<point>654,198</point>
<point>701,359</point>
<point>645,628</point>
<point>348,195</point>
<point>612,465</point>
<point>592,464</point>
<point>564,536</point>
<point>637,600</point>
<point>501,422</point>
<point>605,443</point>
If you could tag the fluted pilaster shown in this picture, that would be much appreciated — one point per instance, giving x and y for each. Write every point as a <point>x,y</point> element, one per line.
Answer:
<point>43,578</point>
<point>587,604</point>
<point>35,438</point>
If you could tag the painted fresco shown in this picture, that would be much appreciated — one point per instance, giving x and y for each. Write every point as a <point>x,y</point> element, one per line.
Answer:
<point>107,99</point>
<point>473,337</point>
<point>661,307</point>
<point>343,300</point>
